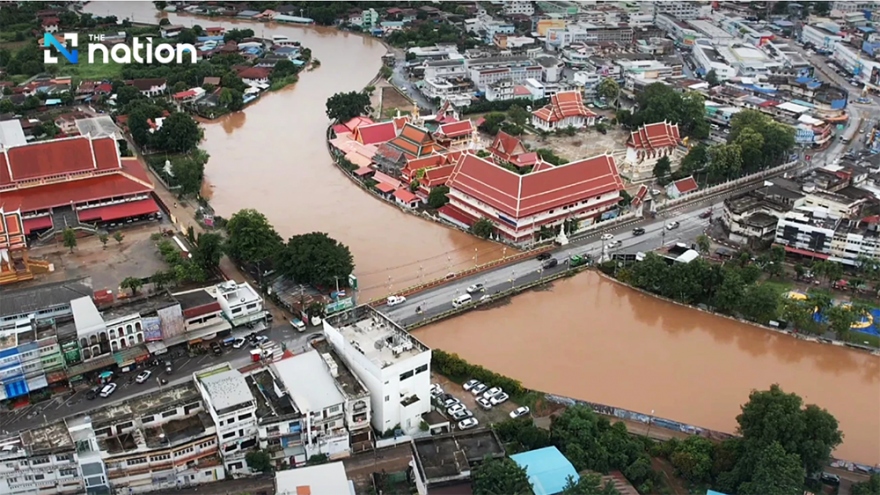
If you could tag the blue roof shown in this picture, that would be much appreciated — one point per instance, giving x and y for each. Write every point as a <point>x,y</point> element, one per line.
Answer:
<point>547,468</point>
<point>713,492</point>
<point>865,29</point>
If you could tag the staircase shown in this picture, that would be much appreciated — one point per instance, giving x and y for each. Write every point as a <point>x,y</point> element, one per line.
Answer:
<point>64,217</point>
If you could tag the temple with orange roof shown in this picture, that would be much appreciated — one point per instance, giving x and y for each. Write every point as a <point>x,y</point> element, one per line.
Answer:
<point>413,141</point>
<point>647,145</point>
<point>566,109</point>
<point>78,182</point>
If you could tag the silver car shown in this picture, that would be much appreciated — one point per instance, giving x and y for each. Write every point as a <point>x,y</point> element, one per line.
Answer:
<point>492,392</point>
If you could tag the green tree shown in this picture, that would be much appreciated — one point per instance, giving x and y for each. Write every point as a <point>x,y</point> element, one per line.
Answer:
<point>179,134</point>
<point>712,78</point>
<point>492,122</point>
<point>840,320</point>
<point>500,477</point>
<point>693,459</point>
<point>225,97</point>
<point>283,69</point>
<point>588,484</point>
<point>162,279</point>
<point>208,251</point>
<point>127,94</point>
<point>729,295</point>
<point>69,238</point>
<point>518,115</point>
<point>238,34</point>
<point>703,243</point>
<point>104,238</point>
<point>132,283</point>
<point>725,162</point>
<point>189,174</point>
<point>870,487</point>
<point>483,228</point>
<point>760,303</point>
<point>315,258</point>
<point>259,461</point>
<point>251,238</point>
<point>751,145</point>
<point>342,107</point>
<point>777,472</point>
<point>118,237</point>
<point>662,169</point>
<point>608,89</point>
<point>437,197</point>
<point>799,314</point>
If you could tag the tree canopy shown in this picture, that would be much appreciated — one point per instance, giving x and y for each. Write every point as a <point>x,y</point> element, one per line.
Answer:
<point>659,102</point>
<point>500,477</point>
<point>316,259</point>
<point>251,238</point>
<point>342,107</point>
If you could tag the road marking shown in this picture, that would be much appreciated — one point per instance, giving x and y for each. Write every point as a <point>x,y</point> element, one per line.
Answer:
<point>186,362</point>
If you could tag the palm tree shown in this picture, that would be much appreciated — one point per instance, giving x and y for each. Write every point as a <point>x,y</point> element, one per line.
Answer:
<point>703,243</point>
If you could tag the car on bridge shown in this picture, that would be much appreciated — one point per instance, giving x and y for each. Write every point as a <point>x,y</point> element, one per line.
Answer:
<point>475,288</point>
<point>638,231</point>
<point>395,300</point>
<point>544,256</point>
<point>672,225</point>
<point>607,237</point>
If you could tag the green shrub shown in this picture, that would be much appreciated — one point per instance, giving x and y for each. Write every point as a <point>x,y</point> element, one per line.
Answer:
<point>459,370</point>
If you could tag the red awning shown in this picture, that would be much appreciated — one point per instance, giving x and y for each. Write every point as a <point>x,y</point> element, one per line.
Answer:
<point>804,252</point>
<point>32,224</point>
<point>119,211</point>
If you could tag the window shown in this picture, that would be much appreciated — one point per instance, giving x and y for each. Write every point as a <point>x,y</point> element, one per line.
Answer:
<point>228,435</point>
<point>168,414</point>
<point>334,409</point>
<point>236,310</point>
<point>147,419</point>
<point>421,369</point>
<point>39,460</point>
<point>64,457</point>
<point>136,460</point>
<point>252,306</point>
<point>38,477</point>
<point>408,374</point>
<point>122,426</point>
<point>234,466</point>
<point>245,416</point>
<point>387,398</point>
<point>230,421</point>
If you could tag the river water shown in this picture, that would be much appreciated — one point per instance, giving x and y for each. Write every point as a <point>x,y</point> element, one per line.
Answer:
<point>586,338</point>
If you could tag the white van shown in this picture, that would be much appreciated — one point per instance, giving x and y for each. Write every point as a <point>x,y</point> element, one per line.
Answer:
<point>461,300</point>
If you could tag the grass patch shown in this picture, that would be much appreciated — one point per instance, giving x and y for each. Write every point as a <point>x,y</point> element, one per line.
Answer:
<point>781,286</point>
<point>84,70</point>
<point>861,338</point>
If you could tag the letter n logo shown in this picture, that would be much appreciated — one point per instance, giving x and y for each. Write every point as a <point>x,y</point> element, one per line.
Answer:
<point>49,42</point>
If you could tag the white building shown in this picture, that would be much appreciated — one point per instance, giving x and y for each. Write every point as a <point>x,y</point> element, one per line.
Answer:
<point>40,460</point>
<point>240,302</point>
<point>566,109</point>
<point>231,405</point>
<point>519,7</point>
<point>708,59</point>
<point>863,69</point>
<point>711,30</point>
<point>394,366</point>
<point>453,67</point>
<point>677,29</point>
<point>747,60</point>
<point>683,10</point>
<point>820,36</point>
<point>323,479</point>
<point>850,6</point>
<point>647,145</point>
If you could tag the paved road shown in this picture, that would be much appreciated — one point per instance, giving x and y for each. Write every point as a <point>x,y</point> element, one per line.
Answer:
<point>67,405</point>
<point>439,299</point>
<point>400,79</point>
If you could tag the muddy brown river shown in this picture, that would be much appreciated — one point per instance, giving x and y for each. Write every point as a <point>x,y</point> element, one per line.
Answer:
<point>586,338</point>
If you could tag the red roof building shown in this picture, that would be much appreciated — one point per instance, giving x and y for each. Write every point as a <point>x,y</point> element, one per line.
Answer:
<point>566,109</point>
<point>405,198</point>
<point>73,179</point>
<point>454,134</point>
<point>509,149</point>
<point>648,144</point>
<point>412,142</point>
<point>357,122</point>
<point>50,24</point>
<point>375,133</point>
<point>681,187</point>
<point>519,205</point>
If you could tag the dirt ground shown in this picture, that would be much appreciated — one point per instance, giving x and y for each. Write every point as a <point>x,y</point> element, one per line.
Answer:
<point>584,144</point>
<point>676,487</point>
<point>393,100</point>
<point>136,256</point>
<point>495,415</point>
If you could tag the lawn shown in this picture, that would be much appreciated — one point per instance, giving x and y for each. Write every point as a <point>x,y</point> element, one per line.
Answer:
<point>85,70</point>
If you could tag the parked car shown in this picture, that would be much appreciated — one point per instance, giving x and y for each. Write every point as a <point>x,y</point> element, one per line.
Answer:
<point>143,376</point>
<point>520,412</point>
<point>479,389</point>
<point>638,231</point>
<point>499,399</point>
<point>259,339</point>
<point>467,424</point>
<point>492,392</point>
<point>395,300</point>
<point>108,390</point>
<point>470,384</point>
<point>215,347</point>
<point>544,256</point>
<point>92,393</point>
<point>298,324</point>
<point>831,479</point>
<point>484,403</point>
<point>462,414</point>
<point>239,343</point>
<point>450,401</point>
<point>455,408</point>
<point>475,288</point>
<point>607,237</point>
<point>672,225</point>
<point>436,390</point>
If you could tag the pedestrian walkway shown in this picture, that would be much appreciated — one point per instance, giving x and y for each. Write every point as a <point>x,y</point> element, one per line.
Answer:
<point>251,486</point>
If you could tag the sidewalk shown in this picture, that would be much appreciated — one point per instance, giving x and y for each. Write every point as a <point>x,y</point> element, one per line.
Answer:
<point>252,486</point>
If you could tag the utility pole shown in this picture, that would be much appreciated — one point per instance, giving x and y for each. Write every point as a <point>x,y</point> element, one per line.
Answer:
<point>476,257</point>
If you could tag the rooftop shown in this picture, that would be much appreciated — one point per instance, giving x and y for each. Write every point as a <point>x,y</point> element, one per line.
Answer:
<point>145,405</point>
<point>53,437</point>
<point>547,468</point>
<point>102,126</point>
<point>226,388</point>
<point>194,298</point>
<point>32,299</point>
<point>142,307</point>
<point>316,393</point>
<point>377,337</point>
<point>178,431</point>
<point>350,384</point>
<point>442,457</point>
<point>323,479</point>
<point>11,133</point>
<point>269,406</point>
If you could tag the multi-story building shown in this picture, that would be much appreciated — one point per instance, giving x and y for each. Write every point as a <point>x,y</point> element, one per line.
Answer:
<point>30,358</point>
<point>393,365</point>
<point>519,206</point>
<point>357,398</point>
<point>684,10</point>
<point>88,455</point>
<point>709,60</point>
<point>744,30</point>
<point>228,399</point>
<point>754,215</point>
<point>164,439</point>
<point>41,304</point>
<point>709,29</point>
<point>647,145</point>
<point>677,29</point>
<point>557,39</point>
<point>42,460</point>
<point>863,68</point>
<point>445,69</point>
<point>519,7</point>
<point>848,6</point>
<point>240,302</point>
<point>823,35</point>
<point>485,71</point>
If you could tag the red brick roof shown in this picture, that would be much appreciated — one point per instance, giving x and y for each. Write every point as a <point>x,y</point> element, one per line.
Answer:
<point>405,195</point>
<point>429,163</point>
<point>506,146</point>
<point>523,195</point>
<point>375,133</point>
<point>254,73</point>
<point>562,105</point>
<point>57,157</point>
<point>686,185</point>
<point>50,21</point>
<point>455,129</point>
<point>357,122</point>
<point>654,136</point>
<point>640,195</point>
<point>414,142</point>
<point>541,165</point>
<point>147,84</point>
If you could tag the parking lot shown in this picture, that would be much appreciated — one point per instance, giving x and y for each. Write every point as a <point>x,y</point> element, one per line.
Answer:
<point>484,417</point>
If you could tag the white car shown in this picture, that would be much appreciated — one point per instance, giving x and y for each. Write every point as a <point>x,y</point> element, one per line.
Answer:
<point>462,414</point>
<point>238,343</point>
<point>520,412</point>
<point>108,390</point>
<point>484,403</point>
<point>672,225</point>
<point>436,390</point>
<point>143,376</point>
<point>467,424</point>
<point>479,389</point>
<point>470,384</point>
<point>451,402</point>
<point>455,408</point>
<point>607,237</point>
<point>492,392</point>
<point>473,289</point>
<point>499,399</point>
<point>395,300</point>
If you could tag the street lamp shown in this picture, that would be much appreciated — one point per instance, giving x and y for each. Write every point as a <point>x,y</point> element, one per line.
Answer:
<point>389,284</point>
<point>650,422</point>
<point>512,279</point>
<point>504,252</point>
<point>476,257</point>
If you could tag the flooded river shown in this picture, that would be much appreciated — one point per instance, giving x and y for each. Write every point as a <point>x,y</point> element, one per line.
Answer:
<point>587,338</point>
